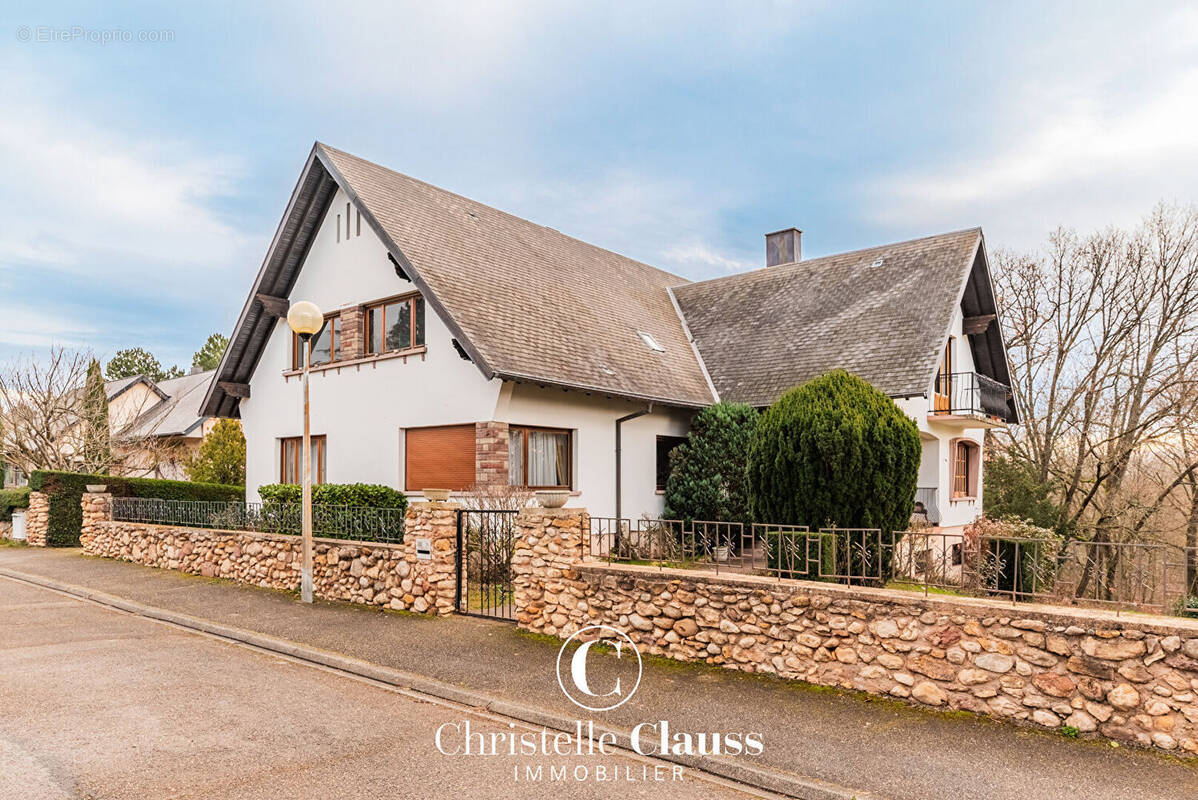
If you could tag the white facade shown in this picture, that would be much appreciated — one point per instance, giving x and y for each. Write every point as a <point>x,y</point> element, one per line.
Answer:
<point>938,434</point>
<point>363,408</point>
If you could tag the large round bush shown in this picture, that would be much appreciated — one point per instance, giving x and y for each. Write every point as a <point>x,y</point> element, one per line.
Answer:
<point>834,451</point>
<point>707,471</point>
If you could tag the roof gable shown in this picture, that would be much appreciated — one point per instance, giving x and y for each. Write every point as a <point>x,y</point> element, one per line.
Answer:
<point>881,313</point>
<point>526,302</point>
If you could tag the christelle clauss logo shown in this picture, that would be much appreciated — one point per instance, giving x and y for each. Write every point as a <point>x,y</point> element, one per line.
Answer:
<point>572,669</point>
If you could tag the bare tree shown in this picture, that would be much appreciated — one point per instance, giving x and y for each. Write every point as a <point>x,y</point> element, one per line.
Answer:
<point>50,419</point>
<point>40,408</point>
<point>1103,341</point>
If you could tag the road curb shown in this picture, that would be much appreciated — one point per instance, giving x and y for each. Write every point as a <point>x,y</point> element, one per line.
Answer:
<point>760,778</point>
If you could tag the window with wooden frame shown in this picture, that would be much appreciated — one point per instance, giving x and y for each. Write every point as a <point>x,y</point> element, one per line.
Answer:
<point>540,458</point>
<point>326,345</point>
<point>291,462</point>
<point>966,457</point>
<point>395,324</point>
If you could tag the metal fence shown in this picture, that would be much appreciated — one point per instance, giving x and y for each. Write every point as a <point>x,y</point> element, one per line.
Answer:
<point>486,543</point>
<point>1126,575</point>
<point>355,523</point>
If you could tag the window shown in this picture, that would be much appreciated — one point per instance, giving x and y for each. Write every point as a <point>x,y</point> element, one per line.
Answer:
<point>326,345</point>
<point>965,468</point>
<point>665,446</point>
<point>539,458</point>
<point>395,325</point>
<point>439,458</point>
<point>291,462</point>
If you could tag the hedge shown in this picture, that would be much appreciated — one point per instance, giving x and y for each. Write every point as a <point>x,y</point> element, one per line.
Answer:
<point>12,499</point>
<point>65,491</point>
<point>361,495</point>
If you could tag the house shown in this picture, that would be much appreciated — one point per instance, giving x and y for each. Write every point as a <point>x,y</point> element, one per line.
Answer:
<point>156,426</point>
<point>465,346</point>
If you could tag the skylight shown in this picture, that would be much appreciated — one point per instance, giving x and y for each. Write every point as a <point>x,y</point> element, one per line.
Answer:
<point>651,342</point>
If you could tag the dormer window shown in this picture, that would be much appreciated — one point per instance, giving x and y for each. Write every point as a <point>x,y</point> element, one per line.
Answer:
<point>652,343</point>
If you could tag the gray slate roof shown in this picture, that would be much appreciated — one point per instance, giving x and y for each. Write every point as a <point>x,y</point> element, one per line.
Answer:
<point>534,303</point>
<point>179,414</point>
<point>527,302</point>
<point>763,332</point>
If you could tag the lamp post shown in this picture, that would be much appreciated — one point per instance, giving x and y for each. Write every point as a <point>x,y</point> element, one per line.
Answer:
<point>306,320</point>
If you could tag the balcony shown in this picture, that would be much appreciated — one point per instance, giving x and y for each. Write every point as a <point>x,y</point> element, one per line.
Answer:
<point>971,399</point>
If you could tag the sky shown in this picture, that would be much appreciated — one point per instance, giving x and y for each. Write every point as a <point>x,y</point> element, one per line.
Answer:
<point>148,150</point>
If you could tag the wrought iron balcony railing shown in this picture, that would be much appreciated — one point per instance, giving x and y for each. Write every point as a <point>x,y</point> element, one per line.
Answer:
<point>970,394</point>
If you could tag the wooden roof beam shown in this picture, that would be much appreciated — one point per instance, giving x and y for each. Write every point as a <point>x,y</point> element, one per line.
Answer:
<point>275,306</point>
<point>972,326</point>
<point>234,389</point>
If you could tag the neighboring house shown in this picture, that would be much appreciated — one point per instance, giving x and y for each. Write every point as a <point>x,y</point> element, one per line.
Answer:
<point>157,426</point>
<point>468,346</point>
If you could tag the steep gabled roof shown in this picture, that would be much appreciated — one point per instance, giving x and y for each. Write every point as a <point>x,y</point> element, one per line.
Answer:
<point>882,313</point>
<point>525,301</point>
<point>177,413</point>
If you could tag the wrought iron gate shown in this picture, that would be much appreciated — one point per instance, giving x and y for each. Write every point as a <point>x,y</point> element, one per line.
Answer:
<point>486,540</point>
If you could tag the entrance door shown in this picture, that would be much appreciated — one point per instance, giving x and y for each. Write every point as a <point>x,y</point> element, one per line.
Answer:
<point>942,397</point>
<point>486,540</point>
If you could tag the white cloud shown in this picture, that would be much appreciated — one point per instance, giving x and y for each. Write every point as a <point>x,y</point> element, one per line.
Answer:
<point>26,328</point>
<point>109,204</point>
<point>670,224</point>
<point>1082,146</point>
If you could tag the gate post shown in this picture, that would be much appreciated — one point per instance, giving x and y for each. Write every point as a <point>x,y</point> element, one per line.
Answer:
<point>432,583</point>
<point>549,544</point>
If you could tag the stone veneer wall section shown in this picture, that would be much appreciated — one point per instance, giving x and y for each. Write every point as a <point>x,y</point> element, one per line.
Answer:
<point>491,453</point>
<point>371,573</point>
<point>353,333</point>
<point>37,519</point>
<point>1130,678</point>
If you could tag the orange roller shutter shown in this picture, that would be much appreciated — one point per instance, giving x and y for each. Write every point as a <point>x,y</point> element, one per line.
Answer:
<point>439,458</point>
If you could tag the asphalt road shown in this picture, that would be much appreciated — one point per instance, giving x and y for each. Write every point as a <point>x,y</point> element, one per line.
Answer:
<point>99,704</point>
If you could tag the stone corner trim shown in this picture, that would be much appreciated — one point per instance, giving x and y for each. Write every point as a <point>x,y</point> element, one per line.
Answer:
<point>380,574</point>
<point>1126,678</point>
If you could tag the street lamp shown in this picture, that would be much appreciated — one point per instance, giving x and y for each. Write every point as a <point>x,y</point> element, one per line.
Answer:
<point>306,320</point>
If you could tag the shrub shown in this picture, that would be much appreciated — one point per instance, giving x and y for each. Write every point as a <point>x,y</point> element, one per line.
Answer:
<point>65,490</point>
<point>834,452</point>
<point>1011,555</point>
<point>364,495</point>
<point>707,471</point>
<point>11,499</point>
<point>221,458</point>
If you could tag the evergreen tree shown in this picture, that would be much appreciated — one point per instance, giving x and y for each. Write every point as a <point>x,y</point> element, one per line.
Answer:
<point>834,451</point>
<point>208,356</point>
<point>136,361</point>
<point>95,448</point>
<point>221,458</point>
<point>707,471</point>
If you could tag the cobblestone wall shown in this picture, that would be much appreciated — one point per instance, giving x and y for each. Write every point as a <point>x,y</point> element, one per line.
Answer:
<point>37,519</point>
<point>378,574</point>
<point>1128,678</point>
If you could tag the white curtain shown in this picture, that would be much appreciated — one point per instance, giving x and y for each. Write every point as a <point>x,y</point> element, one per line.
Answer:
<point>548,458</point>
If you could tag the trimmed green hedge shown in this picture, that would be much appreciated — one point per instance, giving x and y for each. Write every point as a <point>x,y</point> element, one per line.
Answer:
<point>361,495</point>
<point>11,499</point>
<point>65,491</point>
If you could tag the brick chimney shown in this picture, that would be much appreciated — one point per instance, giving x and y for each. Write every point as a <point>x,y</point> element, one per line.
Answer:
<point>783,247</point>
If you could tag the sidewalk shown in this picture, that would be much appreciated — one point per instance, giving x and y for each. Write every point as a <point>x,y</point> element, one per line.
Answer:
<point>873,746</point>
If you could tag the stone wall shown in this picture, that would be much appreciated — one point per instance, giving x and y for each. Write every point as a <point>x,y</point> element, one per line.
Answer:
<point>371,573</point>
<point>37,519</point>
<point>1128,678</point>
<point>5,530</point>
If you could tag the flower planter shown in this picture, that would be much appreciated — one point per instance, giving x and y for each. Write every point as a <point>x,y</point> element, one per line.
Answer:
<point>552,498</point>
<point>96,488</point>
<point>722,551</point>
<point>435,495</point>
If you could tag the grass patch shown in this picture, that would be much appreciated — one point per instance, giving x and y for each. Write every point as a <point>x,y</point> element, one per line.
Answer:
<point>13,543</point>
<point>910,586</point>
